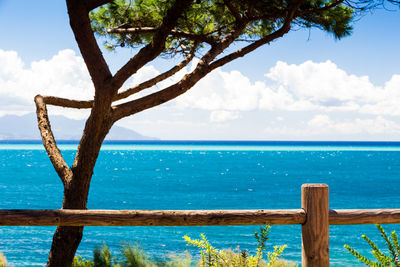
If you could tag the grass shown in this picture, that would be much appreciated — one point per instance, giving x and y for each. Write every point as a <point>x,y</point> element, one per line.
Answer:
<point>132,255</point>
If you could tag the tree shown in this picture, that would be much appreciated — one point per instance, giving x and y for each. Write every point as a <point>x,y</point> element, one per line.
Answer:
<point>172,28</point>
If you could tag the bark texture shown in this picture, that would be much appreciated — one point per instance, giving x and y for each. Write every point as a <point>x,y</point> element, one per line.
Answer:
<point>160,217</point>
<point>65,243</point>
<point>65,217</point>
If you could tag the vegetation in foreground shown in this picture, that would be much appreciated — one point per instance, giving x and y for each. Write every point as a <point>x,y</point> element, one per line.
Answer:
<point>133,255</point>
<point>3,261</point>
<point>392,244</point>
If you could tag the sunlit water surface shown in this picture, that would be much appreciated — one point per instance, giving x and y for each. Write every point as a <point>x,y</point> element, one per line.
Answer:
<point>201,175</point>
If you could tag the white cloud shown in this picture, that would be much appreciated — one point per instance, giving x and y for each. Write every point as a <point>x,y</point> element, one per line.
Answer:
<point>64,75</point>
<point>223,96</point>
<point>379,125</point>
<point>10,65</point>
<point>304,87</point>
<point>322,83</point>
<point>308,86</point>
<point>325,87</point>
<point>144,74</point>
<point>230,91</point>
<point>223,115</point>
<point>387,102</point>
<point>172,123</point>
<point>323,125</point>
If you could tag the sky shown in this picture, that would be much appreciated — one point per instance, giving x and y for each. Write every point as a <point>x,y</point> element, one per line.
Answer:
<point>303,86</point>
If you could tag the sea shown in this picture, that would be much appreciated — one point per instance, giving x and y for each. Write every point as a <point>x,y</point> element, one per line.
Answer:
<point>202,175</point>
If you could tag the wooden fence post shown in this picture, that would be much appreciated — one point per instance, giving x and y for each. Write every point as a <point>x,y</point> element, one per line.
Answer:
<point>315,230</point>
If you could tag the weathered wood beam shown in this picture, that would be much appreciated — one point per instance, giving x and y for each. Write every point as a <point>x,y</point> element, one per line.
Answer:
<point>189,217</point>
<point>49,143</point>
<point>315,231</point>
<point>150,217</point>
<point>364,216</point>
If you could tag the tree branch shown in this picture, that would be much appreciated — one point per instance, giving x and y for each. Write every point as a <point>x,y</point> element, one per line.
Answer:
<point>189,80</point>
<point>94,60</point>
<point>67,103</point>
<point>160,97</point>
<point>327,7</point>
<point>233,10</point>
<point>100,119</point>
<point>92,4</point>
<point>61,167</point>
<point>277,14</point>
<point>188,35</point>
<point>267,39</point>
<point>153,49</point>
<point>156,79</point>
<point>243,51</point>
<point>175,90</point>
<point>86,104</point>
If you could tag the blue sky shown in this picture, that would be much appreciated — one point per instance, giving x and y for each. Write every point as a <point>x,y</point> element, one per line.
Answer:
<point>304,86</point>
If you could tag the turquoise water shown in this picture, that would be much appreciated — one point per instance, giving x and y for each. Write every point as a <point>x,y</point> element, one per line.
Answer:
<point>201,175</point>
<point>217,145</point>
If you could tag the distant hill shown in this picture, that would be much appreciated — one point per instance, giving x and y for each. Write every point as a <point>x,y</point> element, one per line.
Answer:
<point>25,127</point>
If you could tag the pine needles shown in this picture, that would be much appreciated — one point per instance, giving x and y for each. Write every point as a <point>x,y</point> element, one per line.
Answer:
<point>392,244</point>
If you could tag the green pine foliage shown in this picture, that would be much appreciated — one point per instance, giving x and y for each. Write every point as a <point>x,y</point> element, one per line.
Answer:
<point>213,19</point>
<point>392,244</point>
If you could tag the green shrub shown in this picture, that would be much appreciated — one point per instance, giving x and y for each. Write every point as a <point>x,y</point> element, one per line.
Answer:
<point>82,262</point>
<point>392,244</point>
<point>102,257</point>
<point>133,256</point>
<point>283,263</point>
<point>177,261</point>
<point>213,257</point>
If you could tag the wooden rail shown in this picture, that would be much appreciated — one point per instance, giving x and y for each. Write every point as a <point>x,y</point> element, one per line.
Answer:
<point>189,217</point>
<point>364,216</point>
<point>314,216</point>
<point>150,217</point>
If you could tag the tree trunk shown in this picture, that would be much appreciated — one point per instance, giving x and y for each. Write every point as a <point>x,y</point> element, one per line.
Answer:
<point>65,243</point>
<point>67,238</point>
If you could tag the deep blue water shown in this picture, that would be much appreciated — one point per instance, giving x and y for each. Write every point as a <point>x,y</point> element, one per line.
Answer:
<point>201,175</point>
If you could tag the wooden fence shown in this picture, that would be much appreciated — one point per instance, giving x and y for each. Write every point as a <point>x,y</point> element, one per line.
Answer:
<point>314,216</point>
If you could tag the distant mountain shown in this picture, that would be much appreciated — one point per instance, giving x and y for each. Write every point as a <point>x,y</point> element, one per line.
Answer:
<point>25,127</point>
